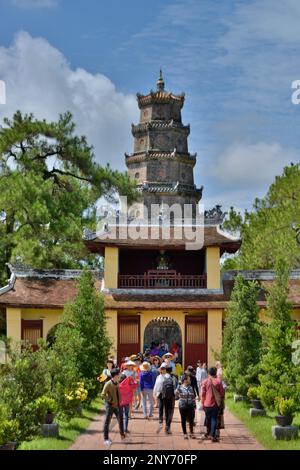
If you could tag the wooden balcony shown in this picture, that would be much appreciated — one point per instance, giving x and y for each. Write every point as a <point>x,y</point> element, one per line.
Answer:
<point>162,279</point>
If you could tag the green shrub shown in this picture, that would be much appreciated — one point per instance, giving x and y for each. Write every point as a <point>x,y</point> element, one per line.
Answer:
<point>9,431</point>
<point>285,406</point>
<point>44,405</point>
<point>253,393</point>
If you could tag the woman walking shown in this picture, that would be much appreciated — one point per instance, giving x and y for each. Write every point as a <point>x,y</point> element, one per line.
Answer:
<point>127,386</point>
<point>212,394</point>
<point>187,405</point>
<point>147,381</point>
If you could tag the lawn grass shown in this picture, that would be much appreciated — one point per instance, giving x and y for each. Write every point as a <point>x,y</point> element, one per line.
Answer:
<point>68,431</point>
<point>261,427</point>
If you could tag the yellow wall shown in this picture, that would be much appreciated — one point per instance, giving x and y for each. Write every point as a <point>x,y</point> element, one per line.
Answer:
<point>13,323</point>
<point>213,268</point>
<point>214,334</point>
<point>112,329</point>
<point>14,316</point>
<point>50,317</point>
<point>111,263</point>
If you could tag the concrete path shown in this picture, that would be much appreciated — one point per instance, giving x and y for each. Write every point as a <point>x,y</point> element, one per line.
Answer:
<point>143,435</point>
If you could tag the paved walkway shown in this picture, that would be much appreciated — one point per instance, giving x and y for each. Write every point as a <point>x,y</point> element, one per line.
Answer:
<point>143,435</point>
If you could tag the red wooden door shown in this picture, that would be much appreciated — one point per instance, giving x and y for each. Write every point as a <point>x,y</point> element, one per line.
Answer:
<point>31,332</point>
<point>195,340</point>
<point>128,336</point>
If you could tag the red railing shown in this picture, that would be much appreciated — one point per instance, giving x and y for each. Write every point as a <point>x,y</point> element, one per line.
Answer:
<point>162,279</point>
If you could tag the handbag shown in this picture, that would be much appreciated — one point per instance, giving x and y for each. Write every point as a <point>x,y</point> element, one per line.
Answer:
<point>216,394</point>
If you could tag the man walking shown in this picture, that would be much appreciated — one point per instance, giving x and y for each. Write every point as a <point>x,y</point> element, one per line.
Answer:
<point>111,395</point>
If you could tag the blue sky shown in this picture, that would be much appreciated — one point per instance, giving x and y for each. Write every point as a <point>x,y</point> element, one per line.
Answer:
<point>235,60</point>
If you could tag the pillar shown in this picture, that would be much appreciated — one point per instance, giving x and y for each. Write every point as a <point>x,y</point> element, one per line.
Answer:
<point>213,267</point>
<point>214,334</point>
<point>13,324</point>
<point>111,267</point>
<point>111,317</point>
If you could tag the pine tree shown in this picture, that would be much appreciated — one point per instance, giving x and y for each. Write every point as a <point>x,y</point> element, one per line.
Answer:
<point>82,335</point>
<point>242,339</point>
<point>279,373</point>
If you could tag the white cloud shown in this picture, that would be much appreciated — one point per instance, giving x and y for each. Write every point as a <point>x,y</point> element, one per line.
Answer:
<point>39,80</point>
<point>35,3</point>
<point>251,167</point>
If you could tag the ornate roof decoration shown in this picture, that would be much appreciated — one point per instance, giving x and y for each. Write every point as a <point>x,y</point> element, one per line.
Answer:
<point>157,155</point>
<point>160,84</point>
<point>159,97</point>
<point>170,187</point>
<point>214,216</point>
<point>146,126</point>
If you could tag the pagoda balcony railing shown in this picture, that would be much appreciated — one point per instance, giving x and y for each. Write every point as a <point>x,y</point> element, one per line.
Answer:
<point>162,279</point>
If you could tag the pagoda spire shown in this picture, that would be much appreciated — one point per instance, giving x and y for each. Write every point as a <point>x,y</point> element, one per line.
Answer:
<point>160,82</point>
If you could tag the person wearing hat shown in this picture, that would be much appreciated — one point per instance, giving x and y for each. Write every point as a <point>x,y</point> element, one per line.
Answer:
<point>164,391</point>
<point>168,358</point>
<point>129,369</point>
<point>127,386</point>
<point>137,370</point>
<point>147,381</point>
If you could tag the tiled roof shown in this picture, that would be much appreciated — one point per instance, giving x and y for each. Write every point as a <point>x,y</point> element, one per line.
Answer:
<point>159,96</point>
<point>159,124</point>
<point>213,236</point>
<point>160,155</point>
<point>43,288</point>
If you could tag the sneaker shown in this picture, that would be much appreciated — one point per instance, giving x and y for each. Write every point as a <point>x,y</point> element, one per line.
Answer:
<point>215,439</point>
<point>127,431</point>
<point>186,436</point>
<point>192,436</point>
<point>159,428</point>
<point>123,436</point>
<point>108,442</point>
<point>168,431</point>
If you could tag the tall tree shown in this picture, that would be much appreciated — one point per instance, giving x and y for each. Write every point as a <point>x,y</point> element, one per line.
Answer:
<point>82,334</point>
<point>279,376</point>
<point>49,185</point>
<point>267,232</point>
<point>242,339</point>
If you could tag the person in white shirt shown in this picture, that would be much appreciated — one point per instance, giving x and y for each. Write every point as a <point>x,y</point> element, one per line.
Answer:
<point>201,374</point>
<point>157,392</point>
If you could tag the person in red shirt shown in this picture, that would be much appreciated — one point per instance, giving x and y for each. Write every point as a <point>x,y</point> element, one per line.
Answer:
<point>127,387</point>
<point>212,395</point>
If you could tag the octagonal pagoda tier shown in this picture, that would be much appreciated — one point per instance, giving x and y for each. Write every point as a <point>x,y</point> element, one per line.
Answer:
<point>161,163</point>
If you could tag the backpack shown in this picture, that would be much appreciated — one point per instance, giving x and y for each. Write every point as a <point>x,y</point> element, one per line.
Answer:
<point>168,388</point>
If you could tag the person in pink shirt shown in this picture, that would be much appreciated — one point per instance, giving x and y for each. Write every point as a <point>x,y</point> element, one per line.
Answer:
<point>127,386</point>
<point>212,395</point>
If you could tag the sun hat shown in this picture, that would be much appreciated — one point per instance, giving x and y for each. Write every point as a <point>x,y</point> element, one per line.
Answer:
<point>145,366</point>
<point>129,363</point>
<point>132,357</point>
<point>163,366</point>
<point>102,378</point>
<point>168,355</point>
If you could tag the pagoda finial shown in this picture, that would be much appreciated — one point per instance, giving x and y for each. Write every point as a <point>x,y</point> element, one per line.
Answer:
<point>160,82</point>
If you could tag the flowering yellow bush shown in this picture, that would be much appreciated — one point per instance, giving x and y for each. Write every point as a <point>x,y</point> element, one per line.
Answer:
<point>79,394</point>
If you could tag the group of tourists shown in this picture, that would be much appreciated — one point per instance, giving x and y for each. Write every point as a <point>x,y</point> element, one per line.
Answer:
<point>151,381</point>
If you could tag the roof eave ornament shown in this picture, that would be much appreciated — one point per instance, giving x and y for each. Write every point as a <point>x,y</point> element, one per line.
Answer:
<point>160,82</point>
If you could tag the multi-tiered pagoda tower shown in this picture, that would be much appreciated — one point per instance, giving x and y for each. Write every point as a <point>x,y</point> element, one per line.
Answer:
<point>161,163</point>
